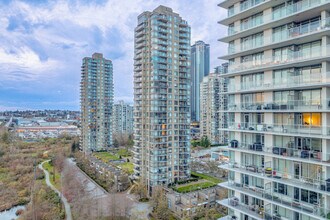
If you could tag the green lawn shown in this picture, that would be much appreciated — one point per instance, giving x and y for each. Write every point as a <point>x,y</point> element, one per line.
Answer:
<point>47,166</point>
<point>128,166</point>
<point>206,177</point>
<point>124,153</point>
<point>205,182</point>
<point>194,186</point>
<point>106,156</point>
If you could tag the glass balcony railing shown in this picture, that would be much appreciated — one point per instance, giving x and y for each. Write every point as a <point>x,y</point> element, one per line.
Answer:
<point>287,105</point>
<point>244,6</point>
<point>301,153</point>
<point>291,81</point>
<point>304,182</point>
<point>279,199</point>
<point>253,210</point>
<point>291,33</point>
<point>268,173</point>
<point>292,57</point>
<point>269,17</point>
<point>281,128</point>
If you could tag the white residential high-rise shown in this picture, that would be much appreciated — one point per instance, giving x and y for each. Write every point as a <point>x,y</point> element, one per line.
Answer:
<point>278,109</point>
<point>96,99</point>
<point>161,97</point>
<point>122,118</point>
<point>211,100</point>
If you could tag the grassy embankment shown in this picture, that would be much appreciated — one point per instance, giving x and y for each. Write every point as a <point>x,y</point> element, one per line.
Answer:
<point>50,168</point>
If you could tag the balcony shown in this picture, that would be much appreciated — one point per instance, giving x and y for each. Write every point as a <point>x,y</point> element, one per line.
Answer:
<point>305,154</point>
<point>233,203</point>
<point>184,30</point>
<point>290,179</point>
<point>243,7</point>
<point>140,45</point>
<point>274,128</point>
<point>271,17</point>
<point>290,82</point>
<point>279,199</point>
<point>292,33</point>
<point>291,105</point>
<point>275,61</point>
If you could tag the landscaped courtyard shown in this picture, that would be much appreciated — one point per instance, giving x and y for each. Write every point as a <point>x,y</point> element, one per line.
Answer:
<point>204,181</point>
<point>116,159</point>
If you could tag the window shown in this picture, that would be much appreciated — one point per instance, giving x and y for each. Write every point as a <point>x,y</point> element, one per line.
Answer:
<point>231,47</point>
<point>279,11</point>
<point>280,33</point>
<point>283,97</point>
<point>245,4</point>
<point>281,188</point>
<point>231,11</point>
<point>309,196</point>
<point>248,100</point>
<point>253,59</point>
<point>252,80</point>
<point>283,54</point>
<point>280,77</point>
<point>251,21</point>
<point>231,29</point>
<point>252,41</point>
<point>312,119</point>
<point>310,97</point>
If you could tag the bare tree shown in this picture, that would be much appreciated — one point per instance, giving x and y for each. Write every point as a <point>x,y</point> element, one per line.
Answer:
<point>159,204</point>
<point>123,139</point>
<point>75,191</point>
<point>140,189</point>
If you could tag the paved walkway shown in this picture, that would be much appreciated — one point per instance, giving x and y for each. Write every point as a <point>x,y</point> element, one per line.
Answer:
<point>94,189</point>
<point>63,199</point>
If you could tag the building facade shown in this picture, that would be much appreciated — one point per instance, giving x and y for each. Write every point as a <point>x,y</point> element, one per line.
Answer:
<point>122,119</point>
<point>161,97</point>
<point>200,67</point>
<point>278,109</point>
<point>211,101</point>
<point>188,205</point>
<point>96,99</point>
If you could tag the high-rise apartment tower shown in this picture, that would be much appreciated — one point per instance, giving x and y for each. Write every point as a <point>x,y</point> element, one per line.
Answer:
<point>161,97</point>
<point>278,109</point>
<point>200,67</point>
<point>122,118</point>
<point>211,101</point>
<point>96,99</point>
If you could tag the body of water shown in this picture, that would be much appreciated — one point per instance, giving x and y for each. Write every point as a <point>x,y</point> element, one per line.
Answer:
<point>11,213</point>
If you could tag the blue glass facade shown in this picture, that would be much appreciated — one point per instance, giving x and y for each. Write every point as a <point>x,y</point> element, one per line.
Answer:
<point>200,67</point>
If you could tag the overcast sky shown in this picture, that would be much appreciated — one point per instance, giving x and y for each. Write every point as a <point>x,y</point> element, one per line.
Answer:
<point>43,42</point>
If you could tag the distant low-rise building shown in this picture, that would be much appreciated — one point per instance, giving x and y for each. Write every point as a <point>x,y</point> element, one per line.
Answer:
<point>188,204</point>
<point>46,131</point>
